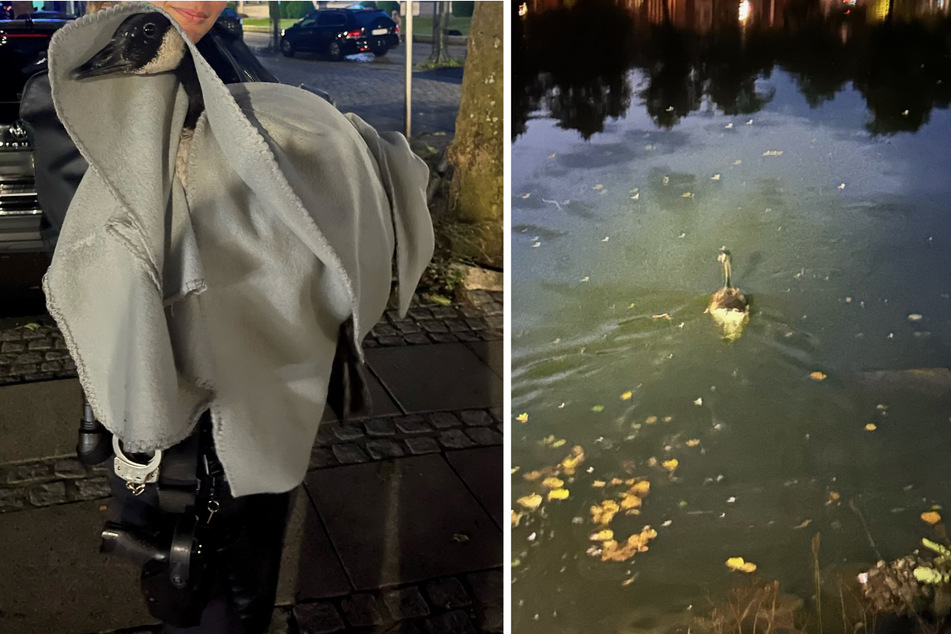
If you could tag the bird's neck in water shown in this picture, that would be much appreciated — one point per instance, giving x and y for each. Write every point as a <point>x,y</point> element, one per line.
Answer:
<point>727,281</point>
<point>189,77</point>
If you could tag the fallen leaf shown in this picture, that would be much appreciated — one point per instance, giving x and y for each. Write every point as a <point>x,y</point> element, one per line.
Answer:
<point>914,317</point>
<point>693,442</point>
<point>572,462</point>
<point>661,316</point>
<point>460,538</point>
<point>629,581</point>
<point>516,563</point>
<point>598,187</point>
<point>773,153</point>
<point>686,195</point>
<point>715,177</point>
<point>530,502</point>
<point>603,513</point>
<point>558,443</point>
<point>441,300</point>
<point>522,418</point>
<point>606,238</point>
<point>586,278</point>
<point>514,470</point>
<point>558,494</point>
<point>599,484</point>
<point>698,402</point>
<point>597,408</point>
<point>817,376</point>
<point>516,517</point>
<point>931,517</point>
<point>871,427</point>
<point>739,565</point>
<point>525,196</point>
<point>803,524</point>
<point>636,543</point>
<point>671,465</point>
<point>602,535</point>
<point>31,326</point>
<point>553,483</point>
<point>627,395</point>
<point>616,481</point>
<point>640,488</point>
<point>650,420</point>
<point>833,497</point>
<point>536,245</point>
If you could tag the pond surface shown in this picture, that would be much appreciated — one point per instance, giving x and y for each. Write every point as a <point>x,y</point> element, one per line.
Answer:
<point>824,169</point>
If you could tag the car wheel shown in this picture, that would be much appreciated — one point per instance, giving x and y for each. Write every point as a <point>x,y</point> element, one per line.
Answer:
<point>335,51</point>
<point>380,52</point>
<point>287,48</point>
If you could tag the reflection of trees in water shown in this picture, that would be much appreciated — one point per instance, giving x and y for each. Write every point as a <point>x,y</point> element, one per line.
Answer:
<point>574,63</point>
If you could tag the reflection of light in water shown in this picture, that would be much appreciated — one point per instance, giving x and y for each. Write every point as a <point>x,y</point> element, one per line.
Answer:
<point>744,10</point>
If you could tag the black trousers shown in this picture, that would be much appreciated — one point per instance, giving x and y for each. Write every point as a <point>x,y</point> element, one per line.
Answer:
<point>247,540</point>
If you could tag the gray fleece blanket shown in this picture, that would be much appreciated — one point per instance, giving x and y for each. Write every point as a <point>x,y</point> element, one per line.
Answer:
<point>225,295</point>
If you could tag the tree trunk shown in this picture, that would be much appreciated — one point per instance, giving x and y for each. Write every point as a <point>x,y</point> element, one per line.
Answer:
<point>475,195</point>
<point>274,10</point>
<point>440,52</point>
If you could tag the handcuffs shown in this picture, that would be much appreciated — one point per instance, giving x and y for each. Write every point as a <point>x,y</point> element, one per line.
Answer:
<point>135,474</point>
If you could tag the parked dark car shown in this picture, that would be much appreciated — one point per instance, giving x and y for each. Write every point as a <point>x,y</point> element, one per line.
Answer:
<point>23,45</point>
<point>341,32</point>
<point>231,23</point>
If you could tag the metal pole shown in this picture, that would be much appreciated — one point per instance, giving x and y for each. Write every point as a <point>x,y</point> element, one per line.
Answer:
<point>409,68</point>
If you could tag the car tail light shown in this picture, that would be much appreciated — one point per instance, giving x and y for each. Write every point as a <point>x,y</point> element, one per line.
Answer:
<point>352,35</point>
<point>396,29</point>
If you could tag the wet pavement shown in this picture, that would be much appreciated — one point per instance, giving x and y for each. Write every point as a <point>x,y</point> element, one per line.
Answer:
<point>397,527</point>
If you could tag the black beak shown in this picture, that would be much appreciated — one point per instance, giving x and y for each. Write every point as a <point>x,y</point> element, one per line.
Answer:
<point>108,60</point>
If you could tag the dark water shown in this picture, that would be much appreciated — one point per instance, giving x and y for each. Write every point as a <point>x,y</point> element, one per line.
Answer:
<point>815,145</point>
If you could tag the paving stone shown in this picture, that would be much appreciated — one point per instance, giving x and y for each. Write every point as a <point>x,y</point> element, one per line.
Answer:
<point>40,344</point>
<point>421,445</point>
<point>484,436</point>
<point>494,309</point>
<point>348,432</point>
<point>322,457</point>
<point>408,328</point>
<point>11,335</point>
<point>326,433</point>
<point>393,546</point>
<point>370,343</point>
<point>56,355</point>
<point>436,378</point>
<point>430,326</point>
<point>361,610</point>
<point>417,339</point>
<point>444,420</point>
<point>310,568</point>
<point>405,603</point>
<point>440,337</point>
<point>12,346</point>
<point>455,622</point>
<point>69,468</point>
<point>412,425</point>
<point>8,358</point>
<point>51,366</point>
<point>495,321</point>
<point>457,325</point>
<point>486,586</point>
<point>380,427</point>
<point>383,448</point>
<point>47,494</point>
<point>492,353</point>
<point>455,439</point>
<point>26,369</point>
<point>13,499</point>
<point>39,419</point>
<point>59,344</point>
<point>496,413</point>
<point>27,473</point>
<point>349,453</point>
<point>384,330</point>
<point>92,489</point>
<point>445,312</point>
<point>419,313</point>
<point>476,418</point>
<point>477,324</point>
<point>493,618</point>
<point>37,333</point>
<point>466,337</point>
<point>481,470</point>
<point>69,364</point>
<point>391,341</point>
<point>447,594</point>
<point>318,618</point>
<point>62,582</point>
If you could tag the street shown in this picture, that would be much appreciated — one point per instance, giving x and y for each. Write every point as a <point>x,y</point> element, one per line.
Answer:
<point>373,87</point>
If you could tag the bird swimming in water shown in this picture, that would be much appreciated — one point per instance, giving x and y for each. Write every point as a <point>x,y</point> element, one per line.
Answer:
<point>147,44</point>
<point>728,306</point>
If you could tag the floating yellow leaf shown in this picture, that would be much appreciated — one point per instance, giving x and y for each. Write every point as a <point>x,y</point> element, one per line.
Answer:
<point>597,408</point>
<point>516,518</point>
<point>553,483</point>
<point>693,442</point>
<point>530,502</point>
<point>629,502</point>
<point>532,475</point>
<point>573,461</point>
<point>526,195</point>
<point>603,513</point>
<point>636,543</point>
<point>628,581</point>
<point>930,517</point>
<point>671,464</point>
<point>32,326</point>
<point>661,316</point>
<point>616,481</point>
<point>686,195</point>
<point>627,395</point>
<point>738,564</point>
<point>806,522</point>
<point>522,418</point>
<point>650,420</point>
<point>871,427</point>
<point>641,488</point>
<point>558,494</point>
<point>598,484</point>
<point>558,443</point>
<point>598,187</point>
<point>603,535</point>
<point>833,497</point>
<point>817,376</point>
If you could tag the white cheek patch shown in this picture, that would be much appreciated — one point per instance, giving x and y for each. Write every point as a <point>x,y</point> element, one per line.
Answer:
<point>169,56</point>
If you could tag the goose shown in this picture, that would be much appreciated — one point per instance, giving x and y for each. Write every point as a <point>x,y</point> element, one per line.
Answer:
<point>147,44</point>
<point>728,306</point>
